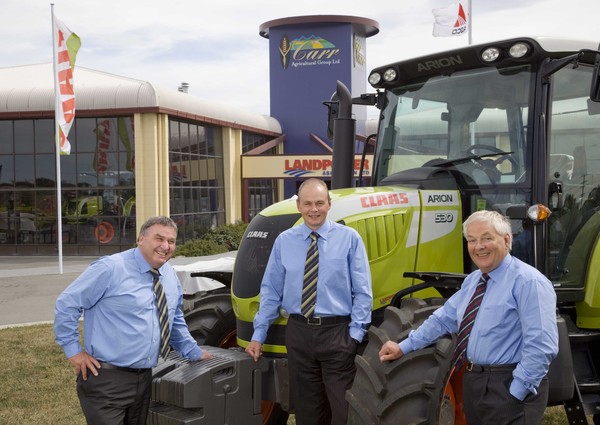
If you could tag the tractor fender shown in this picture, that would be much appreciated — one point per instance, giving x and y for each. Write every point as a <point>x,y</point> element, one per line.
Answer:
<point>206,274</point>
<point>560,373</point>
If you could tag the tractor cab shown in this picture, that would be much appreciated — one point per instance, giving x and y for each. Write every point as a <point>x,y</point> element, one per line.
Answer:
<point>514,125</point>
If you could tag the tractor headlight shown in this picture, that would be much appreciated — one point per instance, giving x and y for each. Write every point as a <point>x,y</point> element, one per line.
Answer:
<point>490,54</point>
<point>518,50</point>
<point>374,78</point>
<point>390,74</point>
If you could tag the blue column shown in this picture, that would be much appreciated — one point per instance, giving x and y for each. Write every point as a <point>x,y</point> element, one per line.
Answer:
<point>307,55</point>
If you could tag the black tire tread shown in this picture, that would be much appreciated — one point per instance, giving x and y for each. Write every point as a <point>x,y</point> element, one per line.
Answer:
<point>210,316</point>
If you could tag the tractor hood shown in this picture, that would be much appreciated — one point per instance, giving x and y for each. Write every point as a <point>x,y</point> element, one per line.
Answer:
<point>349,202</point>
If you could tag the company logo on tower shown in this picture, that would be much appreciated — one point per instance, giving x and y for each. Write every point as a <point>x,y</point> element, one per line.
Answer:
<point>359,51</point>
<point>307,51</point>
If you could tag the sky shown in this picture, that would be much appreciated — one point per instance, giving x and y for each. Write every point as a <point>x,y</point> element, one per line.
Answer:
<point>216,48</point>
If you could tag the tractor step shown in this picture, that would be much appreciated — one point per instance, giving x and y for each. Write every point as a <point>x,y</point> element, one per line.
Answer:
<point>583,336</point>
<point>589,386</point>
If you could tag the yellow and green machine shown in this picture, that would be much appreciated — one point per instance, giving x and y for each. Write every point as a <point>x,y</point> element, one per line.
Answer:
<point>511,125</point>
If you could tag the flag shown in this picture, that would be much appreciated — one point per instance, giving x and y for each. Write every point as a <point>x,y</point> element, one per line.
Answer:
<point>66,45</point>
<point>100,162</point>
<point>124,129</point>
<point>450,21</point>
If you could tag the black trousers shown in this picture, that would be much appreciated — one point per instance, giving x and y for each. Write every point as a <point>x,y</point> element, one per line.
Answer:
<point>115,397</point>
<point>321,365</point>
<point>487,400</point>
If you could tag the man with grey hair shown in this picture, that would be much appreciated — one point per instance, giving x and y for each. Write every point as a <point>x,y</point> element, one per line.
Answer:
<point>504,316</point>
<point>131,304</point>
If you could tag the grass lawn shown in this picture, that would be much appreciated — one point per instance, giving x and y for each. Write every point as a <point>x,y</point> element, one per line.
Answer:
<point>38,385</point>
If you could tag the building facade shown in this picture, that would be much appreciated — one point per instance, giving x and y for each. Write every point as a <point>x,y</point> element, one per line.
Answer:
<point>137,151</point>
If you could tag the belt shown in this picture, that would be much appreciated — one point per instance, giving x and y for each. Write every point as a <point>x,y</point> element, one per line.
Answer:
<point>490,368</point>
<point>318,321</point>
<point>108,366</point>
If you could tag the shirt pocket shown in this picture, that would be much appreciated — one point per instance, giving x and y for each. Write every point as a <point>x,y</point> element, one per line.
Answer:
<point>335,272</point>
<point>493,319</point>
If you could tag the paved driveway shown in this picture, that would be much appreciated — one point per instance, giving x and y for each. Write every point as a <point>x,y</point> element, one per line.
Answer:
<point>29,285</point>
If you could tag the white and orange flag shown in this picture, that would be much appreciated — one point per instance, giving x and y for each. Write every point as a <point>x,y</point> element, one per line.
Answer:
<point>450,21</point>
<point>66,45</point>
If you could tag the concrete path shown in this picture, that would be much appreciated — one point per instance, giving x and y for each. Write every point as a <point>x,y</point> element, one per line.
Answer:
<point>29,285</point>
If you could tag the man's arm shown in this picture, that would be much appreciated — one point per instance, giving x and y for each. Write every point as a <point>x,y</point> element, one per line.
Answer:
<point>271,294</point>
<point>181,338</point>
<point>537,312</point>
<point>362,292</point>
<point>443,321</point>
<point>83,293</point>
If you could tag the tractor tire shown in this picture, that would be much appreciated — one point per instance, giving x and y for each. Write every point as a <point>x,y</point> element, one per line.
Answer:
<point>104,231</point>
<point>211,321</point>
<point>414,389</point>
<point>210,318</point>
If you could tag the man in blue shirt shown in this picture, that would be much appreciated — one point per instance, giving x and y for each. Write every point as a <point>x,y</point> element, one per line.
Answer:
<point>514,337</point>
<point>121,326</point>
<point>321,344</point>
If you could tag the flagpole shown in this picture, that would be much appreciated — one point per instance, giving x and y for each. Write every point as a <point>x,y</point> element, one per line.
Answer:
<point>470,22</point>
<point>57,147</point>
<point>469,32</point>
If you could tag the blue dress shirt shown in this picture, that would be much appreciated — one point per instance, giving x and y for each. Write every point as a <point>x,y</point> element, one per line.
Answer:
<point>343,286</point>
<point>516,323</point>
<point>116,296</point>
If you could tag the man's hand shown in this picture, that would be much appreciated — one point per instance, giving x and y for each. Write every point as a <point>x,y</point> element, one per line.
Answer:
<point>82,362</point>
<point>254,349</point>
<point>206,355</point>
<point>390,351</point>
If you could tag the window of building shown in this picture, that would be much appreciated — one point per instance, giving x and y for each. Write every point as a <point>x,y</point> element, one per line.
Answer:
<point>260,193</point>
<point>196,187</point>
<point>97,181</point>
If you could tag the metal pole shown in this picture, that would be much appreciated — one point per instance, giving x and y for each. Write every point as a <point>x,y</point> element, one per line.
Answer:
<point>469,22</point>
<point>57,146</point>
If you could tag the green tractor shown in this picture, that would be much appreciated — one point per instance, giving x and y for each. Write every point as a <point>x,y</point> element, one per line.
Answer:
<point>99,214</point>
<point>513,126</point>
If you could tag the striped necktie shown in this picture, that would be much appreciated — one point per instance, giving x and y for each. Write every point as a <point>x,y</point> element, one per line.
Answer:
<point>468,320</point>
<point>163,314</point>
<point>311,273</point>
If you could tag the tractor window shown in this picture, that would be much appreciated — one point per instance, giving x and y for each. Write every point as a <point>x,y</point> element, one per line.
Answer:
<point>574,163</point>
<point>474,121</point>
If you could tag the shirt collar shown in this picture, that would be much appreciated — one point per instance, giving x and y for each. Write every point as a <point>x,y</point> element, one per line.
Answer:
<point>141,262</point>
<point>321,231</point>
<point>498,271</point>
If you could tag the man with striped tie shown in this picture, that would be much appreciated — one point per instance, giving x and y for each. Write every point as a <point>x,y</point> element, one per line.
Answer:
<point>504,316</point>
<point>131,304</point>
<point>318,272</point>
